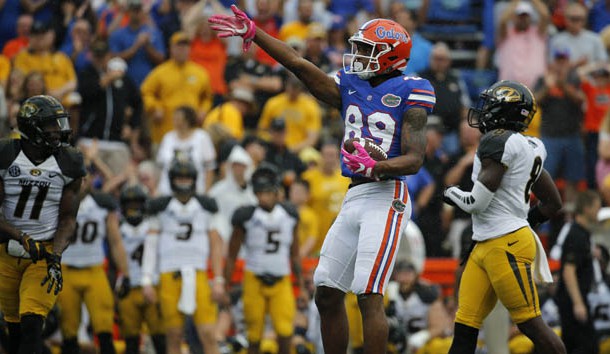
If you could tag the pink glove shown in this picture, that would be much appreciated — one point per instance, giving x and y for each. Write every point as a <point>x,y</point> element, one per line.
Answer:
<point>359,162</point>
<point>238,25</point>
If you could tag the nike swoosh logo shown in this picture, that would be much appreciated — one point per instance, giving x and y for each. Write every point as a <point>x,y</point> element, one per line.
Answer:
<point>360,168</point>
<point>512,243</point>
<point>51,174</point>
<point>351,92</point>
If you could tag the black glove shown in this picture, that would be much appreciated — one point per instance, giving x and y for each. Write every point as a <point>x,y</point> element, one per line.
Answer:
<point>122,286</point>
<point>53,277</point>
<point>446,199</point>
<point>535,216</point>
<point>34,248</point>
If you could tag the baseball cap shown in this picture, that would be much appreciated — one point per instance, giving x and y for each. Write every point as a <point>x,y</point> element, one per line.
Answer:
<point>559,53</point>
<point>242,94</point>
<point>404,265</point>
<point>435,122</point>
<point>278,124</point>
<point>524,8</point>
<point>603,214</point>
<point>338,23</point>
<point>179,38</point>
<point>39,27</point>
<point>99,48</point>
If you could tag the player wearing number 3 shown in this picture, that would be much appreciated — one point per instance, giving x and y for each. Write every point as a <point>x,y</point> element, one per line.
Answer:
<point>378,102</point>
<point>41,177</point>
<point>507,256</point>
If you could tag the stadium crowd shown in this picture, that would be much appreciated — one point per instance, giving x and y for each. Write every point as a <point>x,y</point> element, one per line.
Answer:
<point>148,82</point>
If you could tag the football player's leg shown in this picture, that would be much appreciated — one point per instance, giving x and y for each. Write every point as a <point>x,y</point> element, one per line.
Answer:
<point>69,302</point>
<point>10,277</point>
<point>333,277</point>
<point>205,315</point>
<point>130,313</point>
<point>254,310</point>
<point>100,303</point>
<point>152,316</point>
<point>282,309</point>
<point>169,293</point>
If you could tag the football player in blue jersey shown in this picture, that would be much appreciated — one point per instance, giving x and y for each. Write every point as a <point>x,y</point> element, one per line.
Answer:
<point>380,103</point>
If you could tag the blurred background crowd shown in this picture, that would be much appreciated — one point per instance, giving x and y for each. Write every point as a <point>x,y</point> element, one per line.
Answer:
<point>147,81</point>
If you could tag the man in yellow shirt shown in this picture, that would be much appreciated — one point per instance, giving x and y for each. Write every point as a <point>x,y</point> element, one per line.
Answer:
<point>299,110</point>
<point>230,115</point>
<point>55,66</point>
<point>176,82</point>
<point>298,28</point>
<point>328,187</point>
<point>308,230</point>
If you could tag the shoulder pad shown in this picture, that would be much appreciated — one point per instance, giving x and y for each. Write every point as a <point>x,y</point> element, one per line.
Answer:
<point>493,143</point>
<point>104,200</point>
<point>9,149</point>
<point>242,214</point>
<point>428,293</point>
<point>290,209</point>
<point>71,163</point>
<point>157,205</point>
<point>207,203</point>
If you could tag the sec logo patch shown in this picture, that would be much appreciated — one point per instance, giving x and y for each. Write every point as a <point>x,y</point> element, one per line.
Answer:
<point>399,206</point>
<point>14,171</point>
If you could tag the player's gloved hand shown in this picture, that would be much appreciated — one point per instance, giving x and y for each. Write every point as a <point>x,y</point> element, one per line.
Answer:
<point>53,277</point>
<point>238,25</point>
<point>359,161</point>
<point>122,286</point>
<point>35,249</point>
<point>446,198</point>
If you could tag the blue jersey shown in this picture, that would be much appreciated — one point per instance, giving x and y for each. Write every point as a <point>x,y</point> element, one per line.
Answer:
<point>377,112</point>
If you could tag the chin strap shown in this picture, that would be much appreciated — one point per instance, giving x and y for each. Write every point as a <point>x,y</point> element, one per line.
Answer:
<point>472,202</point>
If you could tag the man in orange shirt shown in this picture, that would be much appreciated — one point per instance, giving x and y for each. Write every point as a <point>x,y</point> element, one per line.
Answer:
<point>15,45</point>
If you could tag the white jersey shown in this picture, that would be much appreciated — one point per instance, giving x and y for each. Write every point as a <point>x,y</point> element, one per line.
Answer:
<point>133,240</point>
<point>268,237</point>
<point>413,310</point>
<point>32,193</point>
<point>523,158</point>
<point>183,232</point>
<point>86,247</point>
<point>198,148</point>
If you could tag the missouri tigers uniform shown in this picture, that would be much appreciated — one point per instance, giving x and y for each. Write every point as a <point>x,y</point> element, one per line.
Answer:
<point>506,246</point>
<point>32,195</point>
<point>84,277</point>
<point>267,286</point>
<point>133,309</point>
<point>182,247</point>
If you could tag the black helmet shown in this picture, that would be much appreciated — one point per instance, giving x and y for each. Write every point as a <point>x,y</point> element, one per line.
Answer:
<point>182,168</point>
<point>38,112</point>
<point>133,200</point>
<point>505,104</point>
<point>266,178</point>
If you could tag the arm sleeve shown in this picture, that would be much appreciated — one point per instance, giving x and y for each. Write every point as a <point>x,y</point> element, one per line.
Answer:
<point>149,257</point>
<point>472,202</point>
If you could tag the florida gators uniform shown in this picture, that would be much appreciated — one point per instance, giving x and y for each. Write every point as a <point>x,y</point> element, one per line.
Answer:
<point>32,195</point>
<point>84,277</point>
<point>358,252</point>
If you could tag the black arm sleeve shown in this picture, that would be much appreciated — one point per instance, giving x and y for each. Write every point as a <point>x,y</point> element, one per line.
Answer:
<point>242,215</point>
<point>492,145</point>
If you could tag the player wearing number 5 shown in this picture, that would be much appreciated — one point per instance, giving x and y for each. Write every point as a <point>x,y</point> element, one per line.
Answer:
<point>507,256</point>
<point>85,280</point>
<point>182,241</point>
<point>41,177</point>
<point>268,232</point>
<point>378,102</point>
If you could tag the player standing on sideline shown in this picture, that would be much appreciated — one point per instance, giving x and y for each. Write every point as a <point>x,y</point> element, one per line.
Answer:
<point>41,179</point>
<point>507,167</point>
<point>380,103</point>
<point>268,231</point>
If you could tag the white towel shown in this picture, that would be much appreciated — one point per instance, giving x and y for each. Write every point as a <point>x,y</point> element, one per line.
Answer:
<point>187,303</point>
<point>542,271</point>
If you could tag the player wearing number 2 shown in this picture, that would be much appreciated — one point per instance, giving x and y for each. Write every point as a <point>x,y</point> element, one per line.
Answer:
<point>41,177</point>
<point>507,255</point>
<point>182,240</point>
<point>376,101</point>
<point>85,280</point>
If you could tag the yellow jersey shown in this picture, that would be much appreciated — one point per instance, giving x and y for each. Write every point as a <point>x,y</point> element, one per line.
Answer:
<point>229,117</point>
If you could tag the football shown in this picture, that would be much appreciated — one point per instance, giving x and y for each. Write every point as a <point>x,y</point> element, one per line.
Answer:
<point>375,151</point>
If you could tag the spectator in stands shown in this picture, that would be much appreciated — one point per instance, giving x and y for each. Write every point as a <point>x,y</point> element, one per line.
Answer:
<point>576,278</point>
<point>521,53</point>
<point>299,196</point>
<point>5,70</point>
<point>267,18</point>
<point>256,148</point>
<point>602,168</point>
<point>55,66</point>
<point>452,99</point>
<point>599,15</point>
<point>327,188</point>
<point>315,43</point>
<point>76,44</point>
<point>230,115</point>
<point>111,111</point>
<point>177,82</point>
<point>298,28</point>
<point>9,14</point>
<point>187,141</point>
<point>420,52</point>
<point>139,43</point>
<point>287,162</point>
<point>233,191</point>
<point>299,110</point>
<point>337,43</point>
<point>560,99</point>
<point>112,15</point>
<point>15,45</point>
<point>352,8</point>
<point>595,83</point>
<point>583,45</point>
<point>421,188</point>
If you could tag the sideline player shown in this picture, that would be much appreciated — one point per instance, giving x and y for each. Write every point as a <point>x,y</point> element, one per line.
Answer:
<point>507,167</point>
<point>378,102</point>
<point>41,178</point>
